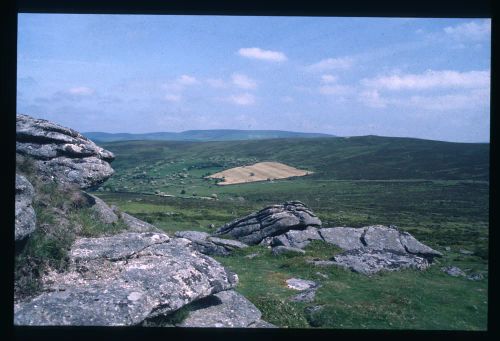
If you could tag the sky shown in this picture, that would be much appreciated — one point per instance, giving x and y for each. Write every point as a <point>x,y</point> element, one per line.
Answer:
<point>426,78</point>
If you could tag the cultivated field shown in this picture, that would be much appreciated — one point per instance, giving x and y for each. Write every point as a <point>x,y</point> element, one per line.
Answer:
<point>258,172</point>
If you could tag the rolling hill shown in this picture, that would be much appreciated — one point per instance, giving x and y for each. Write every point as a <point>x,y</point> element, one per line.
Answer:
<point>364,157</point>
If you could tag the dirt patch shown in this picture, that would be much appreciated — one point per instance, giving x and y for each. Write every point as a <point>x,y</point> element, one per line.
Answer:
<point>262,171</point>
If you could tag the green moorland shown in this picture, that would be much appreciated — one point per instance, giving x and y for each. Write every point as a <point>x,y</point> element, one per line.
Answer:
<point>437,191</point>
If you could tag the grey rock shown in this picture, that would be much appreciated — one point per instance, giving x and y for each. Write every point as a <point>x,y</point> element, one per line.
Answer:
<point>62,153</point>
<point>305,296</point>
<point>280,250</point>
<point>300,284</point>
<point>25,219</point>
<point>466,252</point>
<point>347,238</point>
<point>372,261</point>
<point>208,245</point>
<point>194,236</point>
<point>377,237</point>
<point>453,271</point>
<point>226,309</point>
<point>270,221</point>
<point>227,243</point>
<point>123,280</point>
<point>297,238</point>
<point>86,172</point>
<point>415,247</point>
<point>103,211</point>
<point>322,274</point>
<point>266,241</point>
<point>447,248</point>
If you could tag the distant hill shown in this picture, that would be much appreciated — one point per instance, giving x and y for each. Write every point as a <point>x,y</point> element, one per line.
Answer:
<point>363,157</point>
<point>202,135</point>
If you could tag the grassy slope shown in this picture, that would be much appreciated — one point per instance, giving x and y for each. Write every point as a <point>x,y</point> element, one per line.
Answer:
<point>438,211</point>
<point>366,157</point>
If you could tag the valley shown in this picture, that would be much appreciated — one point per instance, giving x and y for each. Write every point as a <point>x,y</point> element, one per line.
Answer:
<point>437,191</point>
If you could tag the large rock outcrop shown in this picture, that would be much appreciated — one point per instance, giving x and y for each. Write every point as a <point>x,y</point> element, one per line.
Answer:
<point>124,279</point>
<point>62,154</point>
<point>270,221</point>
<point>371,249</point>
<point>25,214</point>
<point>377,237</point>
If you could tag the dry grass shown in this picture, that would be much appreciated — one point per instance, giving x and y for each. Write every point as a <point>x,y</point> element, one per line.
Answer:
<point>261,171</point>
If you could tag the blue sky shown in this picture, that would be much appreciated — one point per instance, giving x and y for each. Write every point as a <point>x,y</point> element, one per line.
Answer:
<point>426,78</point>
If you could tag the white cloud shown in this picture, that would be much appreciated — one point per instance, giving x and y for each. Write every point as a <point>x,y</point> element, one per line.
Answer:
<point>81,91</point>
<point>243,81</point>
<point>328,78</point>
<point>257,53</point>
<point>463,100</point>
<point>470,31</point>
<point>187,80</point>
<point>338,90</point>
<point>242,99</point>
<point>431,79</point>
<point>470,100</point>
<point>332,63</point>
<point>172,97</point>
<point>371,98</point>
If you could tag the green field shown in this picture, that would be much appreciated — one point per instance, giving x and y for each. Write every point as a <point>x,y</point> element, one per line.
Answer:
<point>437,191</point>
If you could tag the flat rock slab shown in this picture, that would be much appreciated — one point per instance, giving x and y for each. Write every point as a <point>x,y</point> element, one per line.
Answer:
<point>347,238</point>
<point>270,221</point>
<point>124,279</point>
<point>300,284</point>
<point>25,219</point>
<point>226,309</point>
<point>369,262</point>
<point>377,237</point>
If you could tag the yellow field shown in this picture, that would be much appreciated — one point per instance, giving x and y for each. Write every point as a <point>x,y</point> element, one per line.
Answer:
<point>261,171</point>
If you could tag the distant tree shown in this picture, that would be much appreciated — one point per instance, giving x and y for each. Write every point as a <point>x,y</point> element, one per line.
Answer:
<point>183,191</point>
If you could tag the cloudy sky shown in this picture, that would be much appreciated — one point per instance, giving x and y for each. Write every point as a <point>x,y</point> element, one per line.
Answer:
<point>426,78</point>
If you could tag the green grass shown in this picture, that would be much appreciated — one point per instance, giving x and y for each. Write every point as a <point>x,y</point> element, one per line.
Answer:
<point>90,225</point>
<point>437,191</point>
<point>391,300</point>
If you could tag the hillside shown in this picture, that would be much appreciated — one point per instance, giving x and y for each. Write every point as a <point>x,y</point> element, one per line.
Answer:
<point>365,157</point>
<point>202,135</point>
